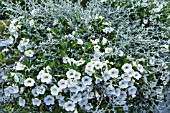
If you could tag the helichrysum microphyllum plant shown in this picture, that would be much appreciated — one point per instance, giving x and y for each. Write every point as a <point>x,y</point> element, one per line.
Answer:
<point>102,58</point>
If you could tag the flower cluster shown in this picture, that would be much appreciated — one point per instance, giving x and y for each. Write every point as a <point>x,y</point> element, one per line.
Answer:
<point>85,81</point>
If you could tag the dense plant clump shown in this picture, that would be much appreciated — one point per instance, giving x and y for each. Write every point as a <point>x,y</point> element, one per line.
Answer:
<point>110,56</point>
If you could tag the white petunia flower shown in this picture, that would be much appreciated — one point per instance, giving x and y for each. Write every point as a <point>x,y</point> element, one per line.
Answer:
<point>54,90</point>
<point>16,78</point>
<point>87,80</point>
<point>69,106</point>
<point>80,41</point>
<point>35,92</point>
<point>75,89</point>
<point>21,102</point>
<point>19,66</point>
<point>13,28</point>
<point>91,94</point>
<point>98,80</point>
<point>41,89</point>
<point>137,75</point>
<point>107,23</point>
<point>133,96</point>
<point>31,22</point>
<point>65,59</point>
<point>127,67</point>
<point>16,95</point>
<point>11,90</point>
<point>71,73</point>
<point>89,66</point>
<point>110,90</point>
<point>29,82</point>
<point>98,64</point>
<point>36,102</point>
<point>89,88</point>
<point>125,108</point>
<point>117,91</point>
<point>131,83</point>
<point>97,53</point>
<point>106,75</point>
<point>123,84</point>
<point>70,36</point>
<point>81,86</point>
<point>77,75</point>
<point>120,53</point>
<point>157,10</point>
<point>108,30</point>
<point>7,91</point>
<point>108,50</point>
<point>40,74</point>
<point>24,42</point>
<point>89,69</point>
<point>123,95</point>
<point>96,41</point>
<point>49,29</point>
<point>134,63</point>
<point>59,97</point>
<point>105,63</point>
<point>71,61</point>
<point>49,100</point>
<point>80,62</point>
<point>145,21</point>
<point>127,78</point>
<point>130,73</point>
<point>22,90</point>
<point>15,88</point>
<point>96,47</point>
<point>61,103</point>
<point>132,90</point>
<point>29,53</point>
<point>74,33</point>
<point>113,72</point>
<point>62,83</point>
<point>83,102</point>
<point>46,77</point>
<point>104,41</point>
<point>21,48</point>
<point>5,50</point>
<point>76,98</point>
<point>122,102</point>
<point>144,4</point>
<point>71,82</point>
<point>88,106</point>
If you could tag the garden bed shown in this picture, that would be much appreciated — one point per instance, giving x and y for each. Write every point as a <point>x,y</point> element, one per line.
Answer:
<point>110,56</point>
